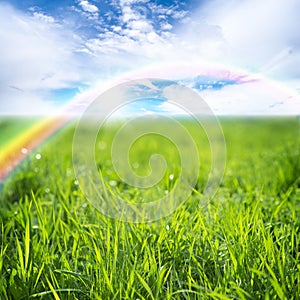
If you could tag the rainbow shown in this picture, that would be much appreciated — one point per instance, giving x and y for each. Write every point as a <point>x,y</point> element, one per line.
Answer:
<point>16,149</point>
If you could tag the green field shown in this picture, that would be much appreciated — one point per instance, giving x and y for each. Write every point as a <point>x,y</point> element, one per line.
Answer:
<point>243,244</point>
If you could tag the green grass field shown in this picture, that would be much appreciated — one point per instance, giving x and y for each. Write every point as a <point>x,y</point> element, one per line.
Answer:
<point>244,244</point>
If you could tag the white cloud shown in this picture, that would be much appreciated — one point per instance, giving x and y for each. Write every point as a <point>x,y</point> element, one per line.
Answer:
<point>129,2</point>
<point>179,14</point>
<point>141,25</point>
<point>24,102</point>
<point>252,34</point>
<point>88,7</point>
<point>36,57</point>
<point>254,98</point>
<point>134,40</point>
<point>42,53</point>
<point>33,50</point>
<point>43,17</point>
<point>128,14</point>
<point>166,26</point>
<point>116,28</point>
<point>172,11</point>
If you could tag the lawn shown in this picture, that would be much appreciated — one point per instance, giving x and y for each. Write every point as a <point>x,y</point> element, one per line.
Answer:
<point>242,244</point>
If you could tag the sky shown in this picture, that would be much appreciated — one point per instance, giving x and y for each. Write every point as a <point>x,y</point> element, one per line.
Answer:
<point>60,53</point>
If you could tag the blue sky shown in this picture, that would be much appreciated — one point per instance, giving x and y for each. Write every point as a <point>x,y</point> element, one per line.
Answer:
<point>54,50</point>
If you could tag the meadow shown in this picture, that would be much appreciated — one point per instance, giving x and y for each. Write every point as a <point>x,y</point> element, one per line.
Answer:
<point>243,244</point>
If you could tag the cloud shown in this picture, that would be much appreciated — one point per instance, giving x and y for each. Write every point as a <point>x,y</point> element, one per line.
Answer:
<point>253,34</point>
<point>36,56</point>
<point>260,36</point>
<point>168,11</point>
<point>166,26</point>
<point>17,101</point>
<point>134,39</point>
<point>43,17</point>
<point>85,42</point>
<point>88,7</point>
<point>88,11</point>
<point>254,98</point>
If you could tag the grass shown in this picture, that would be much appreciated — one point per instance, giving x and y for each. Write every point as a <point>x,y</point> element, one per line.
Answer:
<point>245,244</point>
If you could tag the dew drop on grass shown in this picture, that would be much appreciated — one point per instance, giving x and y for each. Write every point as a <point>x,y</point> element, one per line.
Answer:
<point>171,176</point>
<point>112,183</point>
<point>38,156</point>
<point>76,182</point>
<point>47,190</point>
<point>24,150</point>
